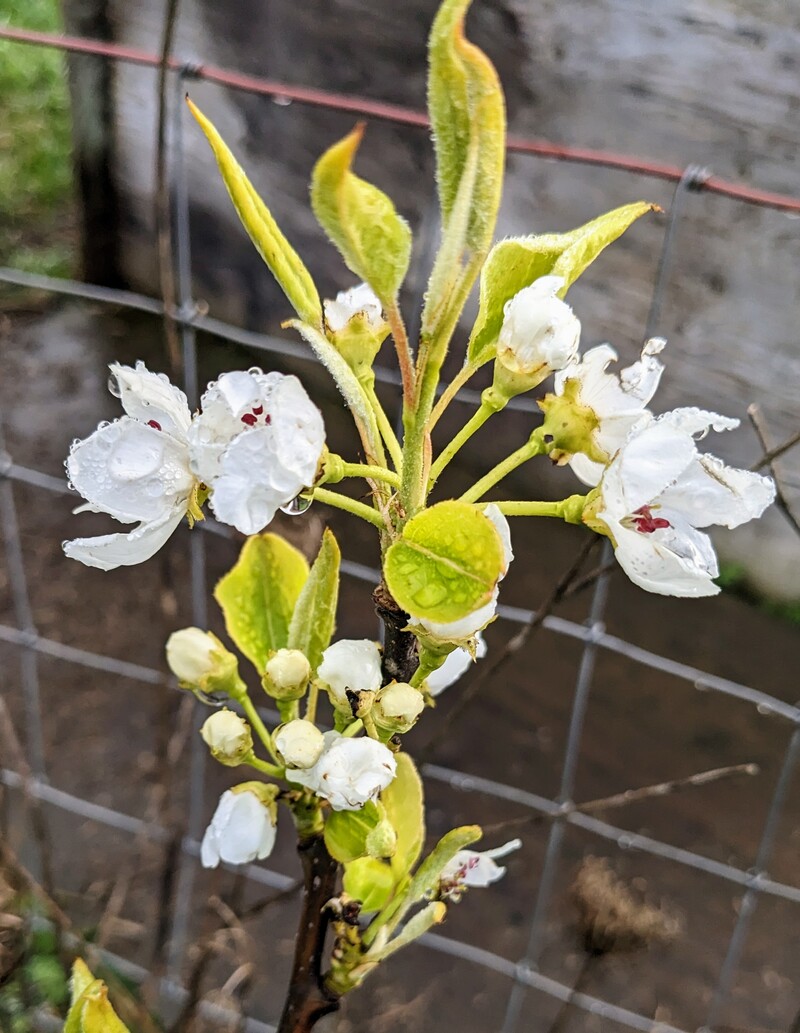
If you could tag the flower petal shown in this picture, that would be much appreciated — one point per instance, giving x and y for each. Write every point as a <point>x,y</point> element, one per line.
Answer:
<point>653,457</point>
<point>243,494</point>
<point>349,303</point>
<point>147,397</point>
<point>108,551</point>
<point>697,422</point>
<point>299,433</point>
<point>678,560</point>
<point>456,664</point>
<point>709,492</point>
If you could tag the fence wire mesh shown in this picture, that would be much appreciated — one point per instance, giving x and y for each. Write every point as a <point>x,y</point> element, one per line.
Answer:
<point>522,974</point>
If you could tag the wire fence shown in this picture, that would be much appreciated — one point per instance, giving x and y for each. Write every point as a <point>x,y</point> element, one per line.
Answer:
<point>523,973</point>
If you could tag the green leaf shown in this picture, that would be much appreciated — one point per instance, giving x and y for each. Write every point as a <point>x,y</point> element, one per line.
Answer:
<point>369,880</point>
<point>404,804</point>
<point>82,978</point>
<point>258,595</point>
<point>446,564</point>
<point>346,832</point>
<point>360,220</point>
<point>284,262</point>
<point>314,617</point>
<point>515,263</point>
<point>99,1016</point>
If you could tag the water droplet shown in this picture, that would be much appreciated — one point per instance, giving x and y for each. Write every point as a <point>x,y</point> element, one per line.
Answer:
<point>297,506</point>
<point>281,100</point>
<point>154,488</point>
<point>113,386</point>
<point>256,371</point>
<point>764,708</point>
<point>211,699</point>
<point>624,842</point>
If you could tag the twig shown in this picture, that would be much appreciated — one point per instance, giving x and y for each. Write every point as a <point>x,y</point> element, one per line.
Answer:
<point>770,454</point>
<point>630,796</point>
<point>512,646</point>
<point>263,905</point>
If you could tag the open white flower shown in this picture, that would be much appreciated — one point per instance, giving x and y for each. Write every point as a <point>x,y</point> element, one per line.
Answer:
<point>616,401</point>
<point>135,469</point>
<point>658,490</point>
<point>349,772</point>
<point>456,664</point>
<point>540,332</point>
<point>476,868</point>
<point>351,664</point>
<point>256,444</point>
<point>242,830</point>
<point>466,627</point>
<point>361,299</point>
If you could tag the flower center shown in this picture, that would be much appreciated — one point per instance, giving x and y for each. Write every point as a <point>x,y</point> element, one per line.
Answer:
<point>252,418</point>
<point>646,523</point>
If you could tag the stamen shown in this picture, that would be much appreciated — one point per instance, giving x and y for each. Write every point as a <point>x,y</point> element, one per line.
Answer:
<point>249,419</point>
<point>154,424</point>
<point>257,410</point>
<point>646,523</point>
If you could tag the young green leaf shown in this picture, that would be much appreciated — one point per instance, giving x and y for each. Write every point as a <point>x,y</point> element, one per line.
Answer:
<point>446,564</point>
<point>285,264</point>
<point>81,979</point>
<point>346,832</point>
<point>258,595</point>
<point>91,1011</point>
<point>362,222</point>
<point>405,808</point>
<point>369,880</point>
<point>515,263</point>
<point>314,617</point>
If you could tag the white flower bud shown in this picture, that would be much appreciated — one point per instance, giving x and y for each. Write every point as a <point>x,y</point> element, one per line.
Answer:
<point>300,743</point>
<point>349,772</point>
<point>228,737</point>
<point>397,707</point>
<point>287,674</point>
<point>360,299</point>
<point>540,332</point>
<point>350,664</point>
<point>242,829</point>
<point>200,661</point>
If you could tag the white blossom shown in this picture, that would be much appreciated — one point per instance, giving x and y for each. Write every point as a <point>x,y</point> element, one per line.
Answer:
<point>227,736</point>
<point>300,743</point>
<point>287,673</point>
<point>350,664</point>
<point>191,654</point>
<point>256,444</point>
<point>135,469</point>
<point>349,772</point>
<point>398,706</point>
<point>242,830</point>
<point>476,868</point>
<point>540,332</point>
<point>617,400</point>
<point>658,490</point>
<point>361,299</point>
<point>456,664</point>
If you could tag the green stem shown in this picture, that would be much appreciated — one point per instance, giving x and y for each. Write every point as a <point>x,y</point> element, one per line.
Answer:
<point>534,446</point>
<point>402,347</point>
<point>262,765</point>
<point>353,729</point>
<point>254,718</point>
<point>311,704</point>
<point>491,402</point>
<point>384,426</point>
<point>369,727</point>
<point>449,393</point>
<point>333,498</point>
<point>375,473</point>
<point>569,509</point>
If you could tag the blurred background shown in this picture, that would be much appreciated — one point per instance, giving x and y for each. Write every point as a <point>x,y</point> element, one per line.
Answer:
<point>678,909</point>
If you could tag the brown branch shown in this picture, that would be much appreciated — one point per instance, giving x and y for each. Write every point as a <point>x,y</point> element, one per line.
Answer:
<point>768,459</point>
<point>770,455</point>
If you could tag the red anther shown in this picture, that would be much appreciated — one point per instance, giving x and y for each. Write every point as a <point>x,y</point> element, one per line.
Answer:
<point>249,419</point>
<point>268,419</point>
<point>154,424</point>
<point>258,409</point>
<point>646,523</point>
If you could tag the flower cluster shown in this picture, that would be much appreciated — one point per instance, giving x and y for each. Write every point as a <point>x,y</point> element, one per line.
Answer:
<point>255,444</point>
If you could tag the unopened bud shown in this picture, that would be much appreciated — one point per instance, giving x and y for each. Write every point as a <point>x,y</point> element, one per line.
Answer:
<point>287,673</point>
<point>397,707</point>
<point>300,744</point>
<point>201,662</point>
<point>382,840</point>
<point>228,737</point>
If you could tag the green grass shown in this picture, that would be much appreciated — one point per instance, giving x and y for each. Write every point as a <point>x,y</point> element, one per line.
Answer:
<point>36,193</point>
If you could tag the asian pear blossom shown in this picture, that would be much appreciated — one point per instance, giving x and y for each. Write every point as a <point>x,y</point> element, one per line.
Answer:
<point>287,674</point>
<point>228,737</point>
<point>350,665</point>
<point>617,401</point>
<point>455,665</point>
<point>242,830</point>
<point>658,490</point>
<point>361,299</point>
<point>397,707</point>
<point>349,772</point>
<point>475,868</point>
<point>135,469</point>
<point>476,621</point>
<point>256,444</point>
<point>300,743</point>
<point>540,332</point>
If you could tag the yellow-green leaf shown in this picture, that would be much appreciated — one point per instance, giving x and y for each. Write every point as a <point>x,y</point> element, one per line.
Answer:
<point>405,808</point>
<point>360,219</point>
<point>81,980</point>
<point>446,564</point>
<point>285,264</point>
<point>91,1011</point>
<point>314,617</point>
<point>258,595</point>
<point>346,832</point>
<point>369,880</point>
<point>515,263</point>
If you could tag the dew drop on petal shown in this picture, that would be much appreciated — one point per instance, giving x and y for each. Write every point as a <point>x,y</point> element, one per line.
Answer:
<point>113,386</point>
<point>297,506</point>
<point>211,699</point>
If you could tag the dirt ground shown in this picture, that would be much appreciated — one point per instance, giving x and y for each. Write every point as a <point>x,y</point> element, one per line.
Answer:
<point>105,740</point>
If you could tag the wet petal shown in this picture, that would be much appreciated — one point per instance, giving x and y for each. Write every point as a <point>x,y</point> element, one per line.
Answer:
<point>124,550</point>
<point>651,459</point>
<point>299,432</point>
<point>709,492</point>
<point>243,494</point>
<point>678,560</point>
<point>147,397</point>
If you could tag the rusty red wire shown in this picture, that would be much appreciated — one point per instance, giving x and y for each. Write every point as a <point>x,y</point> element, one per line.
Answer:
<point>401,115</point>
